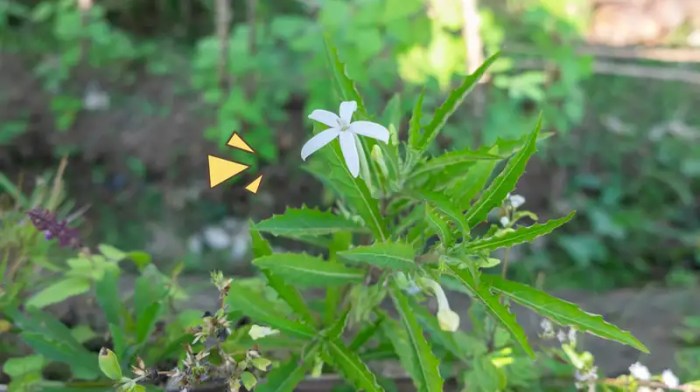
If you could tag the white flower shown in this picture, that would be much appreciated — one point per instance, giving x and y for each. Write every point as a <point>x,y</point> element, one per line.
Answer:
<point>572,336</point>
<point>448,320</point>
<point>216,237</point>
<point>639,371</point>
<point>346,131</point>
<point>547,328</point>
<point>258,332</point>
<point>670,379</point>
<point>561,336</point>
<point>504,221</point>
<point>515,200</point>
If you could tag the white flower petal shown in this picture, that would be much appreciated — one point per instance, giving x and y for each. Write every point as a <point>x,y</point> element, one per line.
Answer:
<point>325,117</point>
<point>370,129</point>
<point>258,332</point>
<point>639,371</point>
<point>349,149</point>
<point>670,379</point>
<point>448,320</point>
<point>346,110</point>
<point>318,141</point>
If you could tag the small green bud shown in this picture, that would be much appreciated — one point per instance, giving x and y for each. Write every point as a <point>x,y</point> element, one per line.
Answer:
<point>109,364</point>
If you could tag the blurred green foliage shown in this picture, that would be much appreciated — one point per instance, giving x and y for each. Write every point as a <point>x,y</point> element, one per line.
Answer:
<point>629,165</point>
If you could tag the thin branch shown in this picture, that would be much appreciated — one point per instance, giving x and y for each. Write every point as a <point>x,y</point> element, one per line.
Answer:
<point>647,72</point>
<point>224,14</point>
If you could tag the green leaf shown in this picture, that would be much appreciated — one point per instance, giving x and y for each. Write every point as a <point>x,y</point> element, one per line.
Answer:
<point>248,380</point>
<point>111,252</point>
<point>81,361</point>
<point>561,312</point>
<point>504,182</point>
<point>59,291</point>
<point>346,87</point>
<point>466,187</point>
<point>261,363</point>
<point>353,190</point>
<point>304,270</point>
<point>255,306</point>
<point>451,159</point>
<point>286,377</point>
<point>445,205</point>
<point>426,367</point>
<point>518,236</point>
<point>146,321</point>
<point>366,333</point>
<point>349,364</point>
<point>287,293</point>
<point>495,307</point>
<point>16,367</point>
<point>140,258</point>
<point>443,113</point>
<point>109,364</point>
<point>439,225</point>
<point>307,222</point>
<point>389,255</point>
<point>414,123</point>
<point>335,331</point>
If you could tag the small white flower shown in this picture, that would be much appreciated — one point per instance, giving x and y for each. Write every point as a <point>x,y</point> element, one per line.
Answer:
<point>504,221</point>
<point>670,379</point>
<point>346,131</point>
<point>572,336</point>
<point>547,327</point>
<point>639,371</point>
<point>258,332</point>
<point>216,237</point>
<point>448,320</point>
<point>561,336</point>
<point>515,200</point>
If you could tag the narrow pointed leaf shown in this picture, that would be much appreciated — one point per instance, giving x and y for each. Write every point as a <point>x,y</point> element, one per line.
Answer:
<point>346,86</point>
<point>519,236</point>
<point>426,367</point>
<point>414,124</point>
<point>451,159</point>
<point>287,293</point>
<point>562,312</point>
<point>445,206</point>
<point>504,182</point>
<point>307,222</point>
<point>266,312</point>
<point>349,364</point>
<point>286,377</point>
<point>481,292</point>
<point>439,225</point>
<point>304,270</point>
<point>454,100</point>
<point>390,255</point>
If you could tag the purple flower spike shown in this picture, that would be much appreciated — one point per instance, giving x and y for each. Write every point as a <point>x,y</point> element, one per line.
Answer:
<point>46,221</point>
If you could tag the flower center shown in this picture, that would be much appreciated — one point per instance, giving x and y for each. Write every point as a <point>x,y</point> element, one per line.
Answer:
<point>343,125</point>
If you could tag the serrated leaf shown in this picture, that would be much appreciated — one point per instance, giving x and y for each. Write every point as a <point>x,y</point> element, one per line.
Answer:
<point>439,225</point>
<point>443,113</point>
<point>307,222</point>
<point>346,86</point>
<point>426,367</point>
<point>464,189</point>
<point>499,311</point>
<point>59,291</point>
<point>109,364</point>
<point>390,255</point>
<point>414,123</point>
<point>335,331</point>
<point>261,310</point>
<point>562,312</point>
<point>304,270</point>
<point>444,205</point>
<point>286,377</point>
<point>450,159</point>
<point>353,190</point>
<point>349,364</point>
<point>505,182</point>
<point>518,236</point>
<point>287,293</point>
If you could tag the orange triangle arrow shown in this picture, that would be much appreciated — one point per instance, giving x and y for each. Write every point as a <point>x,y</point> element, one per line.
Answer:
<point>221,170</point>
<point>237,142</point>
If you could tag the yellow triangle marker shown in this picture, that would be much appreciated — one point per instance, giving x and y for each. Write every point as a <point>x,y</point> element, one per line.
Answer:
<point>253,186</point>
<point>237,142</point>
<point>221,170</point>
